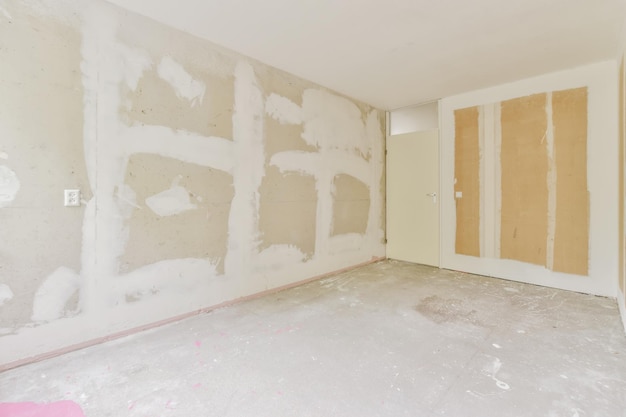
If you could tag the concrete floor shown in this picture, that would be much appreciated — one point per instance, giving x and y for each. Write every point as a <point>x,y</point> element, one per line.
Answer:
<point>388,339</point>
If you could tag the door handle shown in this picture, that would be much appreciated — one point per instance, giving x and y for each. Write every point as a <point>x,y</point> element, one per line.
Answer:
<point>433,196</point>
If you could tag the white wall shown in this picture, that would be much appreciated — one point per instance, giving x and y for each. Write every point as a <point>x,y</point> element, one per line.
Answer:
<point>601,80</point>
<point>414,119</point>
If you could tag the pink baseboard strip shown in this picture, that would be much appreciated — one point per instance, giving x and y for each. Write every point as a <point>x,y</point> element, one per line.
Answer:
<point>134,330</point>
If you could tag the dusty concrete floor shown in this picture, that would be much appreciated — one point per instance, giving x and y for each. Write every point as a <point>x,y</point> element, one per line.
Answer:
<point>389,339</point>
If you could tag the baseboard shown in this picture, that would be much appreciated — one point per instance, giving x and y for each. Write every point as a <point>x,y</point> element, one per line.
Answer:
<point>135,330</point>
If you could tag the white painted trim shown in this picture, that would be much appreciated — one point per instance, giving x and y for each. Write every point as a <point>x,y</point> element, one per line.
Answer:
<point>551,183</point>
<point>439,190</point>
<point>601,80</point>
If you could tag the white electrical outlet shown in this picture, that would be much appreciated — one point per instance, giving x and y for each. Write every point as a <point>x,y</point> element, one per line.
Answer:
<point>72,198</point>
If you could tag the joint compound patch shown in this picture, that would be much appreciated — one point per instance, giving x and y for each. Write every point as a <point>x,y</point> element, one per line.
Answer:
<point>181,81</point>
<point>172,201</point>
<point>5,293</point>
<point>9,186</point>
<point>54,293</point>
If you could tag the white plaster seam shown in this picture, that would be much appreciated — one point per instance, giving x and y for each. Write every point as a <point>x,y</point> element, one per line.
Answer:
<point>174,200</point>
<point>551,183</point>
<point>248,172</point>
<point>481,183</point>
<point>283,110</point>
<point>497,136</point>
<point>9,186</point>
<point>488,181</point>
<point>54,293</point>
<point>181,81</point>
<point>5,293</point>
<point>5,13</point>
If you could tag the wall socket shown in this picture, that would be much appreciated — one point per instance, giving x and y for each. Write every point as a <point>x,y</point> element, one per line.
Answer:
<point>71,198</point>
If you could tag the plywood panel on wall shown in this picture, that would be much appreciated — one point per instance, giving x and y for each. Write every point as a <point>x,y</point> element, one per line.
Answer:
<point>524,161</point>
<point>571,238</point>
<point>466,172</point>
<point>547,167</point>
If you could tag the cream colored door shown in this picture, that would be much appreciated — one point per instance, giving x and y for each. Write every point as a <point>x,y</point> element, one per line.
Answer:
<point>412,197</point>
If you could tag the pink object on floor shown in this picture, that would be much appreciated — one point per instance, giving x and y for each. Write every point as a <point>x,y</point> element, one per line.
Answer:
<point>56,409</point>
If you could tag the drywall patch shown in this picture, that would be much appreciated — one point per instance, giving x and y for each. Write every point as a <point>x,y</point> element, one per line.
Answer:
<point>9,186</point>
<point>351,205</point>
<point>198,233</point>
<point>333,122</point>
<point>524,159</point>
<point>5,293</point>
<point>156,103</point>
<point>52,296</point>
<point>172,201</point>
<point>571,238</point>
<point>283,110</point>
<point>248,172</point>
<point>6,14</point>
<point>287,211</point>
<point>276,257</point>
<point>467,180</point>
<point>4,155</point>
<point>181,81</point>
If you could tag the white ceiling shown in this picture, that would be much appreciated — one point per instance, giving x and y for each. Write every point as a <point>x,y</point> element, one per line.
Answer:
<point>395,53</point>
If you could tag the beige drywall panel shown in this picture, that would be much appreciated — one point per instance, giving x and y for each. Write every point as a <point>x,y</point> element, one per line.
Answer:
<point>602,180</point>
<point>467,175</point>
<point>571,238</point>
<point>524,161</point>
<point>287,211</point>
<point>41,154</point>
<point>155,102</point>
<point>351,205</point>
<point>159,230</point>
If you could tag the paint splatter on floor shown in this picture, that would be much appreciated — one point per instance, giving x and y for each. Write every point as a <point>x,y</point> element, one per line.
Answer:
<point>55,409</point>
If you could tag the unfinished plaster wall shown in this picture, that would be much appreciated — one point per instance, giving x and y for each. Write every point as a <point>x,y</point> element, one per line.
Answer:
<point>205,176</point>
<point>547,173</point>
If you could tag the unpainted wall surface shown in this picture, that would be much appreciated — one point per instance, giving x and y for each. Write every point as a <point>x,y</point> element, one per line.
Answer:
<point>571,234</point>
<point>524,160</point>
<point>351,205</point>
<point>205,176</point>
<point>539,150</point>
<point>467,181</point>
